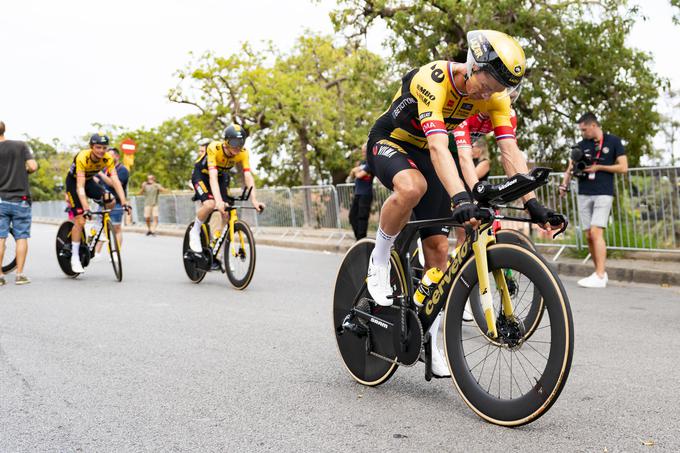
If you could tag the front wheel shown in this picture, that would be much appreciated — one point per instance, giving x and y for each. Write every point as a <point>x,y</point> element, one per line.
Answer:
<point>114,250</point>
<point>9,259</point>
<point>239,256</point>
<point>516,378</point>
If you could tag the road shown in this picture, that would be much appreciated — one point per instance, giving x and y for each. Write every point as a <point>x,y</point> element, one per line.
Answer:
<point>159,363</point>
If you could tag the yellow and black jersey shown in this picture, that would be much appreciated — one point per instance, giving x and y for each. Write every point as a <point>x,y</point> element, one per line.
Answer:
<point>84,164</point>
<point>215,157</point>
<point>428,102</point>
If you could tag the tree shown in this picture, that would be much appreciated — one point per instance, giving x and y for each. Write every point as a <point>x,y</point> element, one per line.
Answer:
<point>48,182</point>
<point>577,58</point>
<point>306,109</point>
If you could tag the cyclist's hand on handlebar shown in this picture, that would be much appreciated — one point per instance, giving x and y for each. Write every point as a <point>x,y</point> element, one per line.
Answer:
<point>259,207</point>
<point>127,208</point>
<point>464,210</point>
<point>221,206</point>
<point>546,218</point>
<point>87,214</point>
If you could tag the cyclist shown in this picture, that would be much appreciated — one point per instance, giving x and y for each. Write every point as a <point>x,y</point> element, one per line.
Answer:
<point>80,186</point>
<point>103,178</point>
<point>408,150</point>
<point>210,177</point>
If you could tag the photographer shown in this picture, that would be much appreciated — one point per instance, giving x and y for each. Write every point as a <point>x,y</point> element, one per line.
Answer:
<point>594,161</point>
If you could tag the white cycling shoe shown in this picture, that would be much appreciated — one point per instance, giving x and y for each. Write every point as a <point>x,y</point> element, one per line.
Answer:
<point>378,283</point>
<point>76,266</point>
<point>195,242</point>
<point>439,366</point>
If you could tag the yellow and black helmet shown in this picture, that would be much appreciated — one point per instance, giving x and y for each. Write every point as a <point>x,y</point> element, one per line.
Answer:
<point>499,54</point>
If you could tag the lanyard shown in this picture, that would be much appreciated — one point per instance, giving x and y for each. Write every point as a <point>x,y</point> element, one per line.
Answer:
<point>599,149</point>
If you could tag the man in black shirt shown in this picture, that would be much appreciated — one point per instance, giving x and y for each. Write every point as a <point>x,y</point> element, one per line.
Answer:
<point>596,190</point>
<point>16,162</point>
<point>363,197</point>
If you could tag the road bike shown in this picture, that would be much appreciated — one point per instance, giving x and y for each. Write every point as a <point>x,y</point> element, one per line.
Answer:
<point>239,246</point>
<point>9,259</point>
<point>508,371</point>
<point>87,249</point>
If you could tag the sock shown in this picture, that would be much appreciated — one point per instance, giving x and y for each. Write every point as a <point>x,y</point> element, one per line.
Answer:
<point>383,244</point>
<point>75,249</point>
<point>196,229</point>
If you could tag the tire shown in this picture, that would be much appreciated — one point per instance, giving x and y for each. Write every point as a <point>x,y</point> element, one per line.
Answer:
<point>363,367</point>
<point>9,260</point>
<point>114,250</point>
<point>63,248</point>
<point>244,256</point>
<point>535,394</point>
<point>531,312</point>
<point>195,275</point>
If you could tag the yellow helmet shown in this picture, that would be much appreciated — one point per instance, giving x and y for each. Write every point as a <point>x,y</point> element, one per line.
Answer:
<point>499,54</point>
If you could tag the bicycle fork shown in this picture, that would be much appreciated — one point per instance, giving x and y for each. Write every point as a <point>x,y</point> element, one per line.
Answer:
<point>479,248</point>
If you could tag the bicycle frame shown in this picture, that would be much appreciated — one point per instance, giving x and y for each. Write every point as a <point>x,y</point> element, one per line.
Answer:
<point>229,226</point>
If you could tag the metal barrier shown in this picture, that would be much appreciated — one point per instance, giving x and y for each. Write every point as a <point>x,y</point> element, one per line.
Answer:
<point>645,214</point>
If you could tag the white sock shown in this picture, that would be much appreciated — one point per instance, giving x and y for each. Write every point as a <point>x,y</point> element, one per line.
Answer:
<point>383,245</point>
<point>196,229</point>
<point>75,249</point>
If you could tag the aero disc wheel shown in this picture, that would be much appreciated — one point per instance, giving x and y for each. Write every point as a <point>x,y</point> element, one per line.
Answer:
<point>513,380</point>
<point>9,259</point>
<point>239,256</point>
<point>362,366</point>
<point>528,309</point>
<point>63,246</point>
<point>195,274</point>
<point>114,251</point>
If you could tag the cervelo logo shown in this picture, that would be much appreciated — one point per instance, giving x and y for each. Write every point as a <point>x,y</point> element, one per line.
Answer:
<point>439,291</point>
<point>379,323</point>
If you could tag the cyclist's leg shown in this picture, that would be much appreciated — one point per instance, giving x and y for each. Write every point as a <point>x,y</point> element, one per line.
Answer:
<point>396,171</point>
<point>202,192</point>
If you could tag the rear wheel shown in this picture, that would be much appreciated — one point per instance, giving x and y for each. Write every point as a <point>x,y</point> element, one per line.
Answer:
<point>350,289</point>
<point>195,274</point>
<point>63,246</point>
<point>114,250</point>
<point>9,259</point>
<point>239,256</point>
<point>514,379</point>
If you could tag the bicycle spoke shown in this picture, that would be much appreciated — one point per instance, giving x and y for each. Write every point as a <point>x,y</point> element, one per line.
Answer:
<point>488,390</point>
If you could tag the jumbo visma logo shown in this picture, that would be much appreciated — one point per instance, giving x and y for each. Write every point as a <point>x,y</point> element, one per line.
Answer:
<point>439,291</point>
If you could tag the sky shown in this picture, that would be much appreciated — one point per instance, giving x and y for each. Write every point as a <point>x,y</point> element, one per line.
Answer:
<point>71,63</point>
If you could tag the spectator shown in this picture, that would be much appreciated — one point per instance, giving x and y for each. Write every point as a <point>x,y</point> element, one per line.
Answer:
<point>363,197</point>
<point>103,179</point>
<point>150,189</point>
<point>16,162</point>
<point>596,190</point>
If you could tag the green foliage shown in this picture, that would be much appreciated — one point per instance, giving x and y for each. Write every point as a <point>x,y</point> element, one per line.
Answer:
<point>306,109</point>
<point>577,56</point>
<point>47,183</point>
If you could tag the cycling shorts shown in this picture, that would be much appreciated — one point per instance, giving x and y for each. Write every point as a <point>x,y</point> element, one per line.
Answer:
<point>201,183</point>
<point>93,191</point>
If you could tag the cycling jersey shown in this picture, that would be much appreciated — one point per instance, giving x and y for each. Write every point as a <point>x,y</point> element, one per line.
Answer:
<point>428,102</point>
<point>84,164</point>
<point>476,127</point>
<point>216,157</point>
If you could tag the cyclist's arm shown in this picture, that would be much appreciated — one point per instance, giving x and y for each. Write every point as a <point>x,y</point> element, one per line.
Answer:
<point>482,168</point>
<point>462,134</point>
<point>513,161</point>
<point>443,163</point>
<point>80,190</point>
<point>250,182</point>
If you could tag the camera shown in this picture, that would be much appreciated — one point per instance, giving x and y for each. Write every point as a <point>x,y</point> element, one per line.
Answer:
<point>582,160</point>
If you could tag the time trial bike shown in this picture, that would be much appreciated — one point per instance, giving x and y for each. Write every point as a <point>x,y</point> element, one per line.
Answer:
<point>508,369</point>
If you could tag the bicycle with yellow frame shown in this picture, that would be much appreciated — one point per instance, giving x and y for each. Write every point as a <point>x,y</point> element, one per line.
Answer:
<point>508,372</point>
<point>239,246</point>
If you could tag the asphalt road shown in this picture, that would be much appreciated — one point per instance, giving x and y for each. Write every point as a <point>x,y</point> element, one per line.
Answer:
<point>159,363</point>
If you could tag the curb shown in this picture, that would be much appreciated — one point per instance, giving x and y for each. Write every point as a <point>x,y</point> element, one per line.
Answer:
<point>616,273</point>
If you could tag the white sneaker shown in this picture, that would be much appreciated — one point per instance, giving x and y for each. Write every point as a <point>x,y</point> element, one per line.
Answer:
<point>195,242</point>
<point>467,313</point>
<point>594,281</point>
<point>439,365</point>
<point>378,283</point>
<point>76,266</point>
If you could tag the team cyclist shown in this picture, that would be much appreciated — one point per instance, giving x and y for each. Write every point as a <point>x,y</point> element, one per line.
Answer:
<point>80,186</point>
<point>408,151</point>
<point>210,177</point>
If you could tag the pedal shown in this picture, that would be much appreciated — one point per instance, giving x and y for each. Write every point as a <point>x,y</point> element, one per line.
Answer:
<point>217,266</point>
<point>352,324</point>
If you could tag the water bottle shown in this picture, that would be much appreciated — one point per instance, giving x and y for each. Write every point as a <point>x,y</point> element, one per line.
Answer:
<point>430,279</point>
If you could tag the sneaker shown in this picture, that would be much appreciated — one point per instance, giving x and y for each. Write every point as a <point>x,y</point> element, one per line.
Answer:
<point>467,313</point>
<point>148,233</point>
<point>195,242</point>
<point>22,280</point>
<point>3,282</point>
<point>378,283</point>
<point>594,281</point>
<point>77,267</point>
<point>440,368</point>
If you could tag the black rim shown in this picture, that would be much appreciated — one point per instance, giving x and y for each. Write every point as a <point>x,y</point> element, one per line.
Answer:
<point>64,240</point>
<point>195,275</point>
<point>114,251</point>
<point>240,268</point>
<point>9,260</point>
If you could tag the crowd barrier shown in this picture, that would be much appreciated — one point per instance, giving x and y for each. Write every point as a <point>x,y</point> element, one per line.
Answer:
<point>645,215</point>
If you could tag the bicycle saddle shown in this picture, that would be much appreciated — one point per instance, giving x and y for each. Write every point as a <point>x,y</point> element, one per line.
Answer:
<point>488,194</point>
